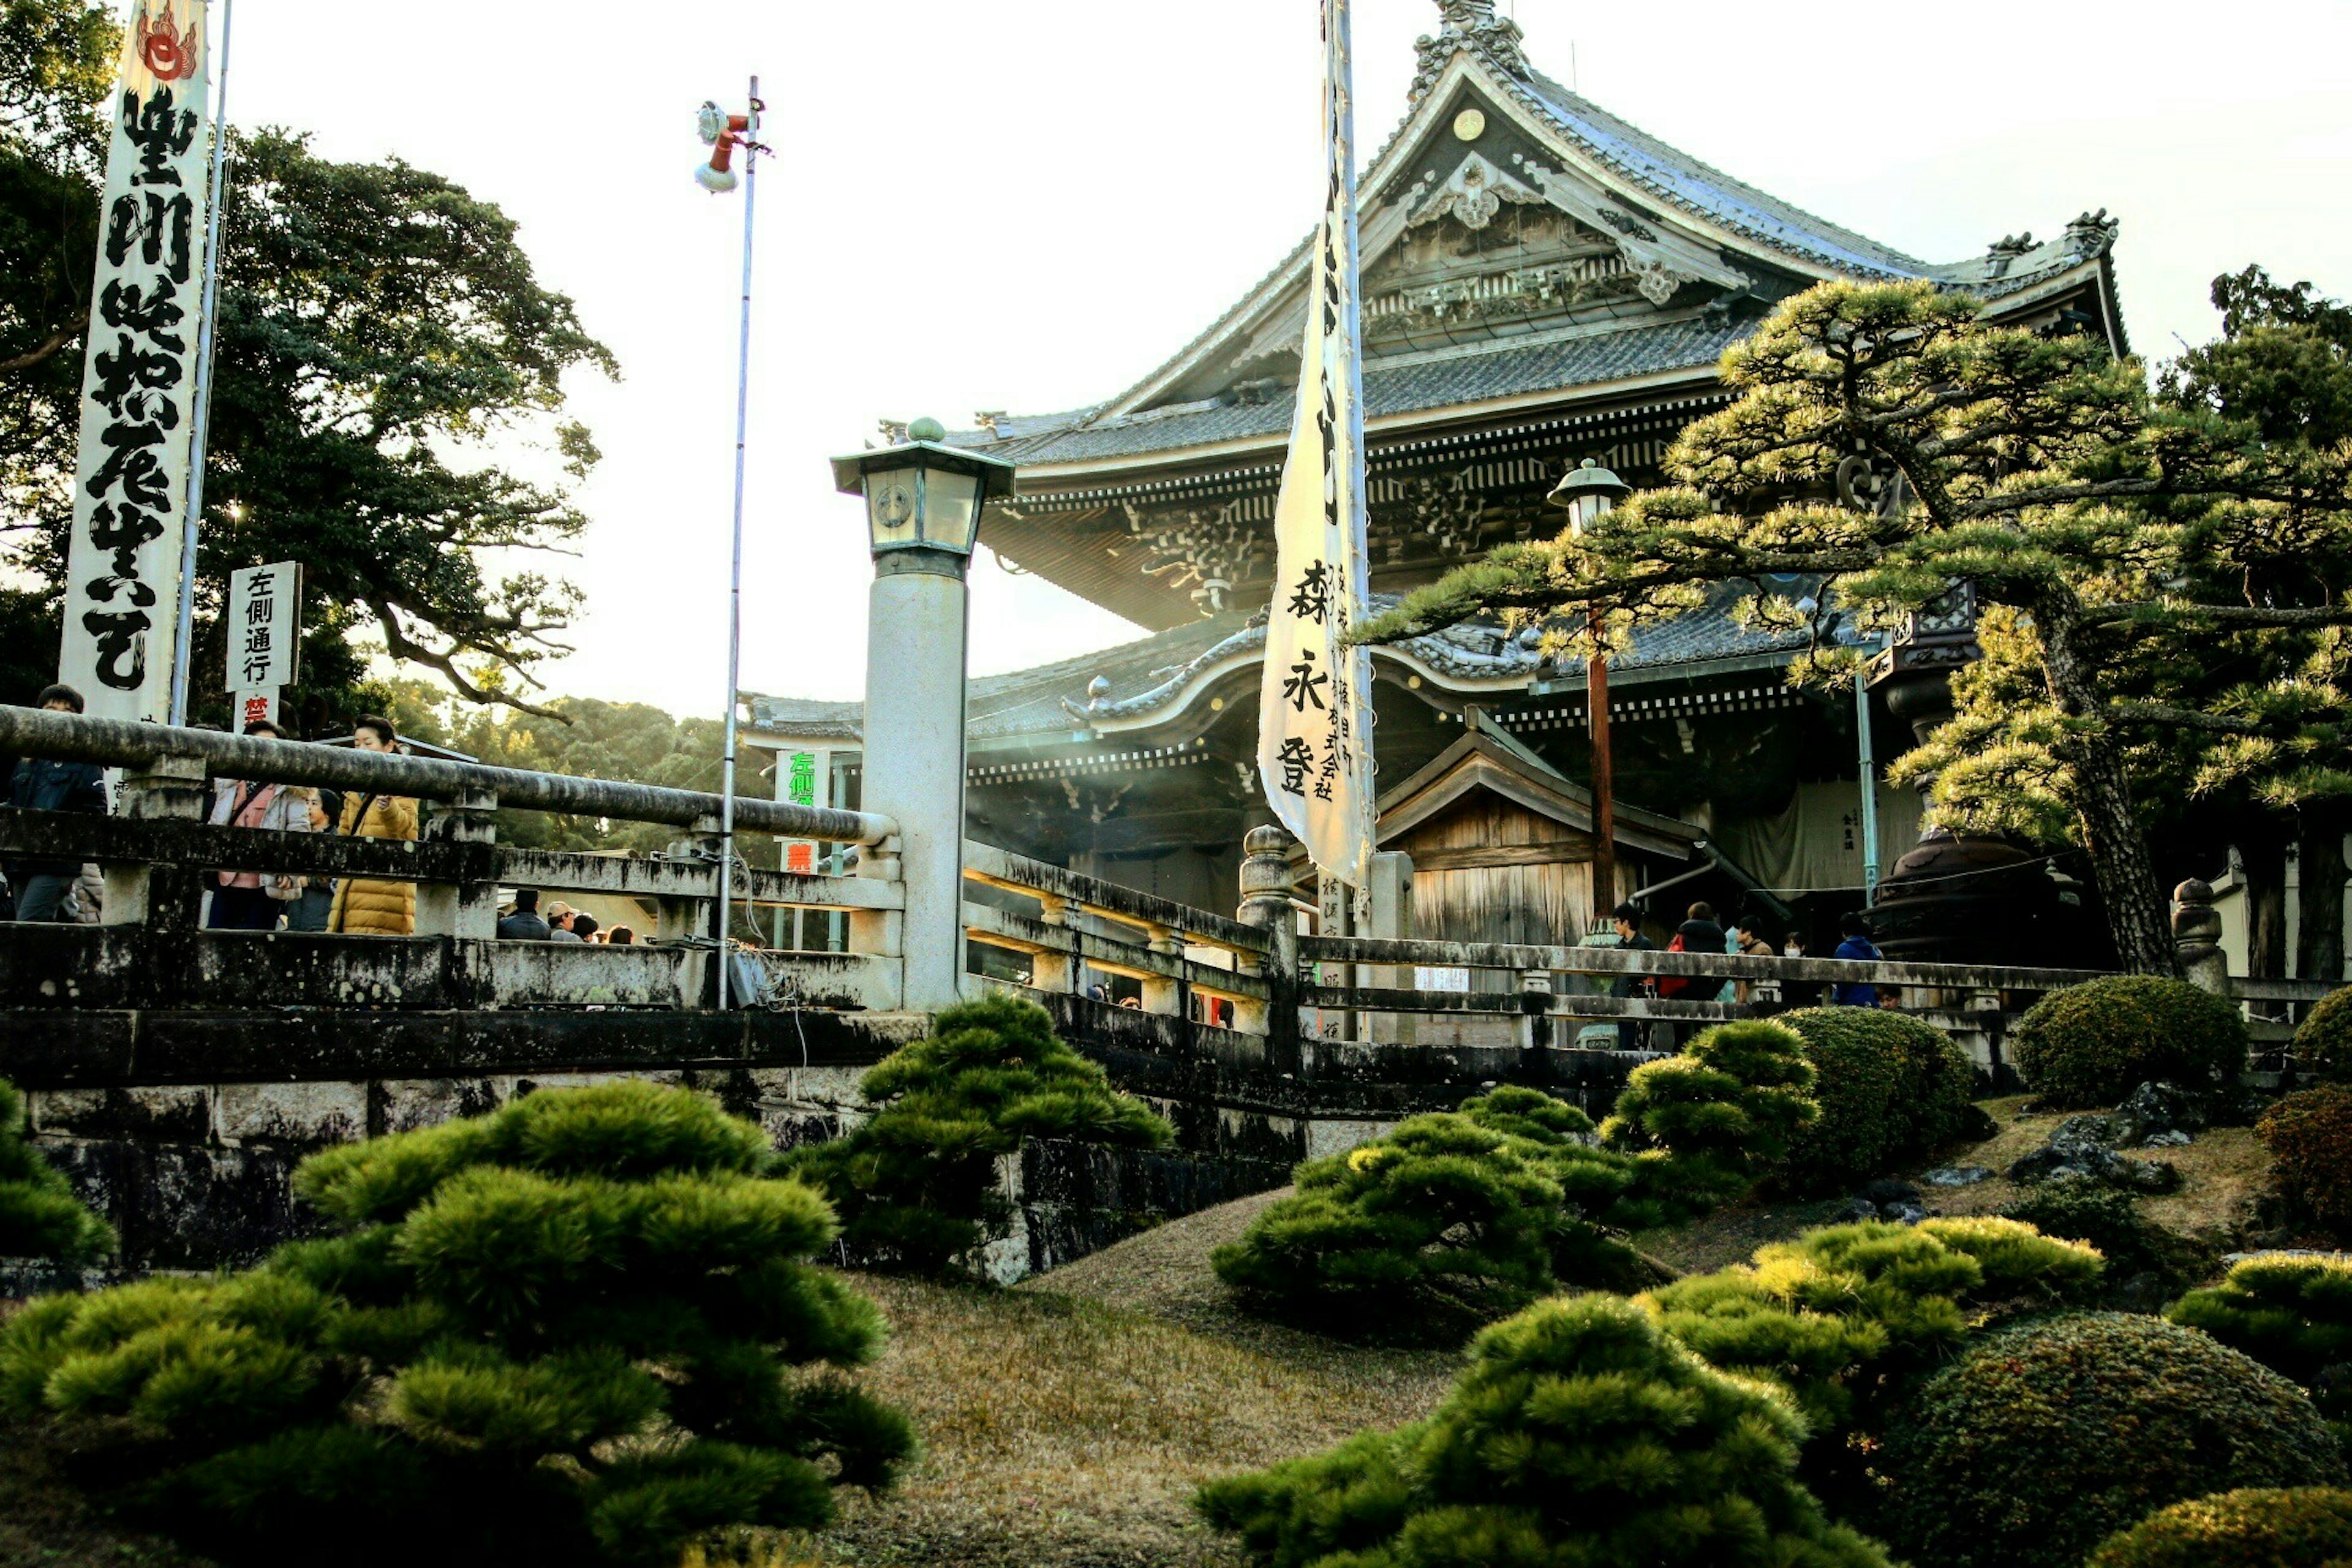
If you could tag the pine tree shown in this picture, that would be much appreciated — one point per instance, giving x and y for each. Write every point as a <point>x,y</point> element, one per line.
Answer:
<point>572,1332</point>
<point>40,1217</point>
<point>1582,1434</point>
<point>916,1185</point>
<point>1447,1222</point>
<point>2164,572</point>
<point>1716,1117</point>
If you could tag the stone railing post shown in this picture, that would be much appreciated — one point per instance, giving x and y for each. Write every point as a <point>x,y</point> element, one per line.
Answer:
<point>1266,905</point>
<point>2197,937</point>
<point>880,933</point>
<point>1392,874</point>
<point>1160,993</point>
<point>469,910</point>
<point>167,897</point>
<point>687,920</point>
<point>1056,972</point>
<point>1535,1023</point>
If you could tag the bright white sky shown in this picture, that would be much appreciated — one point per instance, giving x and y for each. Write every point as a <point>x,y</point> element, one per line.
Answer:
<point>1027,205</point>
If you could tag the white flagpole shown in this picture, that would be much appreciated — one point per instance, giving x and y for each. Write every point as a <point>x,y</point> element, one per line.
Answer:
<point>200,417</point>
<point>735,566</point>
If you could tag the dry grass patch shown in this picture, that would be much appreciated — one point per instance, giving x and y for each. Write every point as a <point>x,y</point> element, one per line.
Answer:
<point>1062,1432</point>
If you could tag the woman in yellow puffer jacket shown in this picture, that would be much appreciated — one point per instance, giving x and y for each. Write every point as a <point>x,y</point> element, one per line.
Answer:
<point>364,907</point>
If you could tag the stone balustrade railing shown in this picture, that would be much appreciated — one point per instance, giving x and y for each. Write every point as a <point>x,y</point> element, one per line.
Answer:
<point>1066,924</point>
<point>157,852</point>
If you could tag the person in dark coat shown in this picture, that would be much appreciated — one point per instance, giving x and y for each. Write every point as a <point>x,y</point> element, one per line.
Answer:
<point>43,783</point>
<point>526,924</point>
<point>1632,1034</point>
<point>1855,931</point>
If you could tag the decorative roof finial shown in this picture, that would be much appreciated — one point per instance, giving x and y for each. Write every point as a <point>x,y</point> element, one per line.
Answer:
<point>1469,25</point>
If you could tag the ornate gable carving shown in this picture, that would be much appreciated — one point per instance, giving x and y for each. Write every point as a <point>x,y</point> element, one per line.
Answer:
<point>1469,25</point>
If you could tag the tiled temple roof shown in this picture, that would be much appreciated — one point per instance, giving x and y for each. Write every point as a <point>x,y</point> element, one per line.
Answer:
<point>1588,355</point>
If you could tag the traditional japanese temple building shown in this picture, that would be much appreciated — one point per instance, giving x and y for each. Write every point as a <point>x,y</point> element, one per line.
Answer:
<point>1542,283</point>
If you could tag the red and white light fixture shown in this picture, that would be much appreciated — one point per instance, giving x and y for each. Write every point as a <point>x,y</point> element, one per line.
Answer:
<point>723,132</point>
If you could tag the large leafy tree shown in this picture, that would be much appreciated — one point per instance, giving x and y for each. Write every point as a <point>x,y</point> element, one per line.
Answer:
<point>388,401</point>
<point>2117,535</point>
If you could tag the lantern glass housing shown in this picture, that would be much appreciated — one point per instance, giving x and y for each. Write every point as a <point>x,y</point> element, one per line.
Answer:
<point>922,495</point>
<point>1588,491</point>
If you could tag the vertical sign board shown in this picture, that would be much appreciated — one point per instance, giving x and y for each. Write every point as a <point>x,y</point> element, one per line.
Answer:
<point>130,484</point>
<point>262,629</point>
<point>803,777</point>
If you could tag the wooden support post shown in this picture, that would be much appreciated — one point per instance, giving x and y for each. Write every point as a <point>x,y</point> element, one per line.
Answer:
<point>166,897</point>
<point>1266,904</point>
<point>469,910</point>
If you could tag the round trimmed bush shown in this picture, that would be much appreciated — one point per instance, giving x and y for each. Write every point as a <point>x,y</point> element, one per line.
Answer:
<point>1889,1087</point>
<point>2048,1437</point>
<point>2087,1046</point>
<point>2323,1046</point>
<point>2309,1135</point>
<point>2258,1527</point>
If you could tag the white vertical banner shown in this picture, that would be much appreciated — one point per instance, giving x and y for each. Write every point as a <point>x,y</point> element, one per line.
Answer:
<point>263,629</point>
<point>1315,698</point>
<point>130,490</point>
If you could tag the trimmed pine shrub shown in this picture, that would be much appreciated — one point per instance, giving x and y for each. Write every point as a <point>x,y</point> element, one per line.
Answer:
<point>1890,1088</point>
<point>2047,1437</point>
<point>1716,1117</point>
<point>582,1327</point>
<point>40,1217</point>
<point>2109,1219</point>
<point>1845,1318</point>
<point>2323,1046</point>
<point>1581,1435</point>
<point>916,1185</point>
<point>2253,1527</point>
<point>2309,1135</point>
<point>2087,1046</point>
<point>2292,1314</point>
<point>1448,1221</point>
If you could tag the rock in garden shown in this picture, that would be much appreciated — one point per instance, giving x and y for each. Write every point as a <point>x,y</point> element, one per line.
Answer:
<point>2152,1111</point>
<point>1957,1175</point>
<point>2082,1148</point>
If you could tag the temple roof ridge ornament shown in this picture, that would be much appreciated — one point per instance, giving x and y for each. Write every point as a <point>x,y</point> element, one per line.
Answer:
<point>1469,25</point>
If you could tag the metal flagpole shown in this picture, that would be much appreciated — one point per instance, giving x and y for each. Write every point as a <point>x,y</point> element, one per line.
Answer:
<point>200,419</point>
<point>1866,770</point>
<point>735,565</point>
<point>1352,328</point>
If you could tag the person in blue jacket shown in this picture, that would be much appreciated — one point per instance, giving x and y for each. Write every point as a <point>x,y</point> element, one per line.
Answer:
<point>1855,931</point>
<point>43,783</point>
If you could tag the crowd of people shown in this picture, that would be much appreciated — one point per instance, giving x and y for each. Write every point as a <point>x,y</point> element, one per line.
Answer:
<point>1700,932</point>
<point>65,890</point>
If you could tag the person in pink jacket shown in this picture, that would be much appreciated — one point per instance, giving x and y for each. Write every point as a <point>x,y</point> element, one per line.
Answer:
<point>248,900</point>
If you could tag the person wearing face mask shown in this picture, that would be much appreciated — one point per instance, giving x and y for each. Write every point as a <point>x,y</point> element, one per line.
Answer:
<point>363,906</point>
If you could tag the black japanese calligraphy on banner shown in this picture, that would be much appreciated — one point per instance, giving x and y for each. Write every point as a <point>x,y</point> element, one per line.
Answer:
<point>1314,716</point>
<point>138,370</point>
